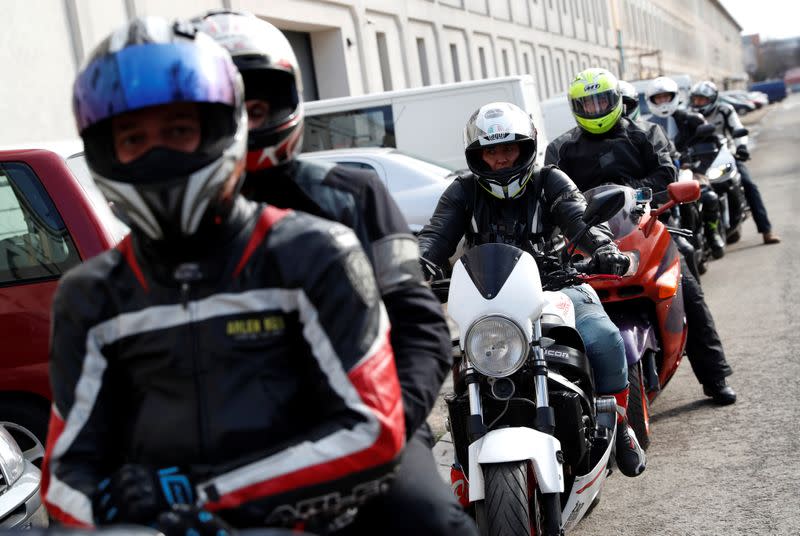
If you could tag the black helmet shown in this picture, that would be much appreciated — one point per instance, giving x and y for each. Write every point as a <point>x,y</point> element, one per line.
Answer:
<point>150,62</point>
<point>630,100</point>
<point>271,73</point>
<point>500,123</point>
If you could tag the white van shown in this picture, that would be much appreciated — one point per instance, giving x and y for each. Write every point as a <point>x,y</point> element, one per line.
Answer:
<point>557,116</point>
<point>427,122</point>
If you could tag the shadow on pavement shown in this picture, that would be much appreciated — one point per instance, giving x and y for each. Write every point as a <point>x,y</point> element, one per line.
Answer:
<point>680,410</point>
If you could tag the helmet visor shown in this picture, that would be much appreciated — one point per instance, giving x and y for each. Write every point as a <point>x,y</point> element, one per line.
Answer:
<point>595,106</point>
<point>152,74</point>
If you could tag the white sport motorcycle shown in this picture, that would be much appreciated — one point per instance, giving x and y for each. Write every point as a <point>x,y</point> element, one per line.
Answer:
<point>533,441</point>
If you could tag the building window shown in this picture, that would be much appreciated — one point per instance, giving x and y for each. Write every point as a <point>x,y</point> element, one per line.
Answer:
<point>576,9</point>
<point>423,62</point>
<point>560,75</point>
<point>383,56</point>
<point>564,6</point>
<point>505,62</point>
<point>545,77</point>
<point>586,10</point>
<point>526,63</point>
<point>454,59</point>
<point>482,59</point>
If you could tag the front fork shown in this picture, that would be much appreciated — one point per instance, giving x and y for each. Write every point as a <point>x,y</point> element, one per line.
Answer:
<point>545,421</point>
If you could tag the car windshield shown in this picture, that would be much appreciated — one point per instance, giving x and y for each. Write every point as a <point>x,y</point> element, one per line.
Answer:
<point>77,164</point>
<point>626,220</point>
<point>433,165</point>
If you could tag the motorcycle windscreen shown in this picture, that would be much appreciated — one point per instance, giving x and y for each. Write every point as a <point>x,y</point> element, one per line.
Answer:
<point>626,220</point>
<point>495,279</point>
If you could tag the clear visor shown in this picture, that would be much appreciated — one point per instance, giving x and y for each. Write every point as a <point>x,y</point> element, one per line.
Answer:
<point>595,106</point>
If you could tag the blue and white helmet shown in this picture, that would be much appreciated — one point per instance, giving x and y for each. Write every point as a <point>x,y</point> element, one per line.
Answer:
<point>499,123</point>
<point>150,62</point>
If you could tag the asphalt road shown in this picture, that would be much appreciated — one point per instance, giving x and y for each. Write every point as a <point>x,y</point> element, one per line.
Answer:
<point>736,469</point>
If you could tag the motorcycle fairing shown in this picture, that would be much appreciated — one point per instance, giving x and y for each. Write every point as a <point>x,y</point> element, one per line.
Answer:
<point>520,297</point>
<point>513,445</point>
<point>558,305</point>
<point>584,490</point>
<point>638,335</point>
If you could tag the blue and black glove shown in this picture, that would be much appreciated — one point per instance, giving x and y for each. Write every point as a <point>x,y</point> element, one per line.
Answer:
<point>138,494</point>
<point>185,520</point>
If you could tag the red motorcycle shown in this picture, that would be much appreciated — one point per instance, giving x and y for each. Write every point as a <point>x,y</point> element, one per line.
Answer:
<point>646,303</point>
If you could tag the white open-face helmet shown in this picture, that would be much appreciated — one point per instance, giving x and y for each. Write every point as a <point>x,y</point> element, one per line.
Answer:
<point>659,86</point>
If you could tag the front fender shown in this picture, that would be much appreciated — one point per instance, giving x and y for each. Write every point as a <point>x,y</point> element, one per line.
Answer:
<point>513,445</point>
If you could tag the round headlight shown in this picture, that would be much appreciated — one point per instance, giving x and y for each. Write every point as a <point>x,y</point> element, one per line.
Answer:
<point>496,346</point>
<point>715,173</point>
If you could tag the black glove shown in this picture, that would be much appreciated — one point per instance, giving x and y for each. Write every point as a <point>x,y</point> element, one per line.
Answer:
<point>742,153</point>
<point>138,494</point>
<point>430,271</point>
<point>185,520</point>
<point>608,260</point>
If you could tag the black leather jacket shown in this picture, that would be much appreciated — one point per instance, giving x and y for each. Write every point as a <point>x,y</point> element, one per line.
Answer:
<point>260,365</point>
<point>627,154</point>
<point>550,203</point>
<point>358,199</point>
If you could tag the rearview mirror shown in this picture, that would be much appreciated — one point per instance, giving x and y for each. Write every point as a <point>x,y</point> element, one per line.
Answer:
<point>603,206</point>
<point>644,195</point>
<point>739,132</point>
<point>684,191</point>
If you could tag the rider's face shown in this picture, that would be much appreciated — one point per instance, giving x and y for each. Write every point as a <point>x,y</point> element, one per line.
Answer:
<point>596,105</point>
<point>257,113</point>
<point>700,100</point>
<point>501,156</point>
<point>173,126</point>
<point>661,98</point>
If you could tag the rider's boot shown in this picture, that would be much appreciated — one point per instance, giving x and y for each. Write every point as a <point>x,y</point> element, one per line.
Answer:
<point>630,456</point>
<point>715,239</point>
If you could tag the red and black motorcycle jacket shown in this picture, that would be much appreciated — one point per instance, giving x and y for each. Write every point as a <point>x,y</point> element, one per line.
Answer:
<point>550,204</point>
<point>262,368</point>
<point>627,154</point>
<point>358,199</point>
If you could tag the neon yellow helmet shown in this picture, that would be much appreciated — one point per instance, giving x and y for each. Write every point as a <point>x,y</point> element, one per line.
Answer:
<point>595,100</point>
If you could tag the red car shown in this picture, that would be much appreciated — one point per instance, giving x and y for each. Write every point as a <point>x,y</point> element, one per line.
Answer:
<point>52,217</point>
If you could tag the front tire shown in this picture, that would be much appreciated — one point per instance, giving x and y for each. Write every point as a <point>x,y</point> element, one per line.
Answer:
<point>505,511</point>
<point>638,405</point>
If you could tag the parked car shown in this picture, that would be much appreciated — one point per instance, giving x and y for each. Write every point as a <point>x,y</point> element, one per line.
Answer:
<point>775,89</point>
<point>415,184</point>
<point>20,503</point>
<point>741,106</point>
<point>744,96</point>
<point>758,97</point>
<point>52,217</point>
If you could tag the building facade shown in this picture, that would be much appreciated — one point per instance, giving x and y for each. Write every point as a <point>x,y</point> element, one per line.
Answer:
<point>352,47</point>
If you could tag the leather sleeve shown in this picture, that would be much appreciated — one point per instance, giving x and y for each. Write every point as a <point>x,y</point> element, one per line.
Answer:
<point>732,122</point>
<point>80,450</point>
<point>654,151</point>
<point>439,239</point>
<point>567,205</point>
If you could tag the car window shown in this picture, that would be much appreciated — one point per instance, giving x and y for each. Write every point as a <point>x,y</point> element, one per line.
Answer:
<point>358,165</point>
<point>366,127</point>
<point>77,164</point>
<point>34,242</point>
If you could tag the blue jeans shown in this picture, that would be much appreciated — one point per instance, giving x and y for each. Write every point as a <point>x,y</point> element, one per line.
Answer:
<point>604,346</point>
<point>757,208</point>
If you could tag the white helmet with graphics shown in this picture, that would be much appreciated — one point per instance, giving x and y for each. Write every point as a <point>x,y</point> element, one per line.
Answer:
<point>495,124</point>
